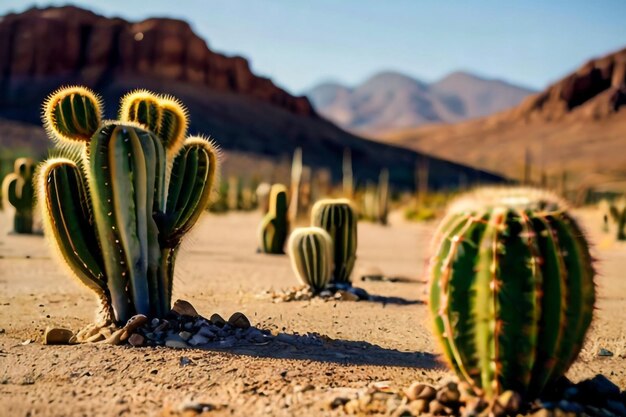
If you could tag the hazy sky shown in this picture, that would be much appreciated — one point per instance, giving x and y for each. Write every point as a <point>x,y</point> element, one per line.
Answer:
<point>300,43</point>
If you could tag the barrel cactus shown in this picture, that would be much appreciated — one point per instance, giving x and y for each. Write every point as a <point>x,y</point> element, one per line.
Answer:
<point>275,225</point>
<point>311,252</point>
<point>17,188</point>
<point>511,289</point>
<point>339,219</point>
<point>120,198</point>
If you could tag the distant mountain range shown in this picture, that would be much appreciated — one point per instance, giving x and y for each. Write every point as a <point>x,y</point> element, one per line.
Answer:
<point>391,100</point>
<point>256,123</point>
<point>574,129</point>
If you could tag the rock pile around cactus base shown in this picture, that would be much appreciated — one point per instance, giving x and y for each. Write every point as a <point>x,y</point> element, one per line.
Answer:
<point>182,328</point>
<point>596,397</point>
<point>333,292</point>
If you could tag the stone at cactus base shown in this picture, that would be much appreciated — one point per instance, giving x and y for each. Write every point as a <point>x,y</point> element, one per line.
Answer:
<point>184,308</point>
<point>134,323</point>
<point>136,340</point>
<point>57,336</point>
<point>217,320</point>
<point>239,321</point>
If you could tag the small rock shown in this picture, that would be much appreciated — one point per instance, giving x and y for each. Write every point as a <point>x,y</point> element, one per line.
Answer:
<point>185,335</point>
<point>136,340</point>
<point>438,409</point>
<point>418,391</point>
<point>184,308</point>
<point>508,402</point>
<point>165,325</point>
<point>134,323</point>
<point>184,361</point>
<point>217,320</point>
<point>2,331</point>
<point>604,352</point>
<point>115,338</point>
<point>448,394</point>
<point>198,340</point>
<point>336,402</point>
<point>346,296</point>
<point>176,344</point>
<point>418,406</point>
<point>196,407</point>
<point>325,294</point>
<point>154,323</point>
<point>239,321</point>
<point>205,331</point>
<point>57,336</point>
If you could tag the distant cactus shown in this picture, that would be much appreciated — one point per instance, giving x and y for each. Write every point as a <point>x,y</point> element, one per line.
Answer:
<point>348,178</point>
<point>618,215</point>
<point>296,177</point>
<point>339,219</point>
<point>18,191</point>
<point>275,225</point>
<point>375,200</point>
<point>118,203</point>
<point>311,253</point>
<point>511,289</point>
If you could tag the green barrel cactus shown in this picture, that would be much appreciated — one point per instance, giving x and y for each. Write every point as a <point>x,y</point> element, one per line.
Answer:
<point>339,219</point>
<point>311,253</point>
<point>118,201</point>
<point>511,289</point>
<point>17,189</point>
<point>275,225</point>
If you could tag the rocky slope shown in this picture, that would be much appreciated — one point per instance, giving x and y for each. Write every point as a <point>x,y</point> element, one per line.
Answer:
<point>576,127</point>
<point>41,49</point>
<point>391,100</point>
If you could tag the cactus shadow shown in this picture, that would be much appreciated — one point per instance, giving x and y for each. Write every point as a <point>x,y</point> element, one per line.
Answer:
<point>391,300</point>
<point>315,347</point>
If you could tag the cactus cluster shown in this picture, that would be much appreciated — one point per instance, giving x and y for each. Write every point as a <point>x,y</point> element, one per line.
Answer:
<point>311,252</point>
<point>17,189</point>
<point>375,200</point>
<point>511,289</point>
<point>339,219</point>
<point>120,199</point>
<point>274,227</point>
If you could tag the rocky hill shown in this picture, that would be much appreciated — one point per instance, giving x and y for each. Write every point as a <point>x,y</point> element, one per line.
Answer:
<point>249,116</point>
<point>391,100</point>
<point>576,127</point>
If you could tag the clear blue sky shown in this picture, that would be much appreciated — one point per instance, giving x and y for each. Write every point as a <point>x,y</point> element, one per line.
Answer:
<point>300,43</point>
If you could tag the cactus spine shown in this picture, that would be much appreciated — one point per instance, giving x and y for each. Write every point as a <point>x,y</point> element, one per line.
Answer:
<point>18,191</point>
<point>311,252</point>
<point>117,208</point>
<point>339,219</point>
<point>511,289</point>
<point>275,225</point>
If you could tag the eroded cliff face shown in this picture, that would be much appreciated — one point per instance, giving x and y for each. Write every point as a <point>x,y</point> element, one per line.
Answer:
<point>78,44</point>
<point>597,90</point>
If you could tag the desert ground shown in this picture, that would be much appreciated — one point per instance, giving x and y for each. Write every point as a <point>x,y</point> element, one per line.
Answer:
<point>220,271</point>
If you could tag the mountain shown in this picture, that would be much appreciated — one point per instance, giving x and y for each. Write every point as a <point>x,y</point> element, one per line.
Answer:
<point>257,123</point>
<point>576,127</point>
<point>391,100</point>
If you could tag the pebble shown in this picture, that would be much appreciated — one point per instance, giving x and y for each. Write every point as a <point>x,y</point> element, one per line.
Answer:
<point>185,335</point>
<point>239,321</point>
<point>346,296</point>
<point>57,336</point>
<point>176,344</point>
<point>206,332</point>
<point>604,352</point>
<point>449,394</point>
<point>135,322</point>
<point>198,340</point>
<point>418,406</point>
<point>136,340</point>
<point>217,320</point>
<point>184,308</point>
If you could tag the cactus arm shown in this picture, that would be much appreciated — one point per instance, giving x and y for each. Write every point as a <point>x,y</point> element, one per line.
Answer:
<point>9,189</point>
<point>553,302</point>
<point>67,224</point>
<point>72,114</point>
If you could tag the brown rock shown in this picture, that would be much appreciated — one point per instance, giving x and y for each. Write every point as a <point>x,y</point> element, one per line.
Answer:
<point>57,336</point>
<point>418,406</point>
<point>419,391</point>
<point>136,340</point>
<point>448,394</point>
<point>239,321</point>
<point>217,320</point>
<point>184,308</point>
<point>134,323</point>
<point>115,338</point>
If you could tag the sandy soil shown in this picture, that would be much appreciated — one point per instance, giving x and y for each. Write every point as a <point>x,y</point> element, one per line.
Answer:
<point>220,272</point>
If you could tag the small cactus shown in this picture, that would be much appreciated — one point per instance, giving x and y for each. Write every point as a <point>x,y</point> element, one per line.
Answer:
<point>311,253</point>
<point>618,216</point>
<point>118,202</point>
<point>275,225</point>
<point>511,289</point>
<point>18,191</point>
<point>339,219</point>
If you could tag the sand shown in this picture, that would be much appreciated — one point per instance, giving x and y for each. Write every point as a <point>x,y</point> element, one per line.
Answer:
<point>221,272</point>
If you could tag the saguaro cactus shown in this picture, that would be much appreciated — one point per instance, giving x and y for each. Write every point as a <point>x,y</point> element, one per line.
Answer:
<point>339,219</point>
<point>311,253</point>
<point>18,191</point>
<point>118,204</point>
<point>618,215</point>
<point>275,225</point>
<point>511,289</point>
